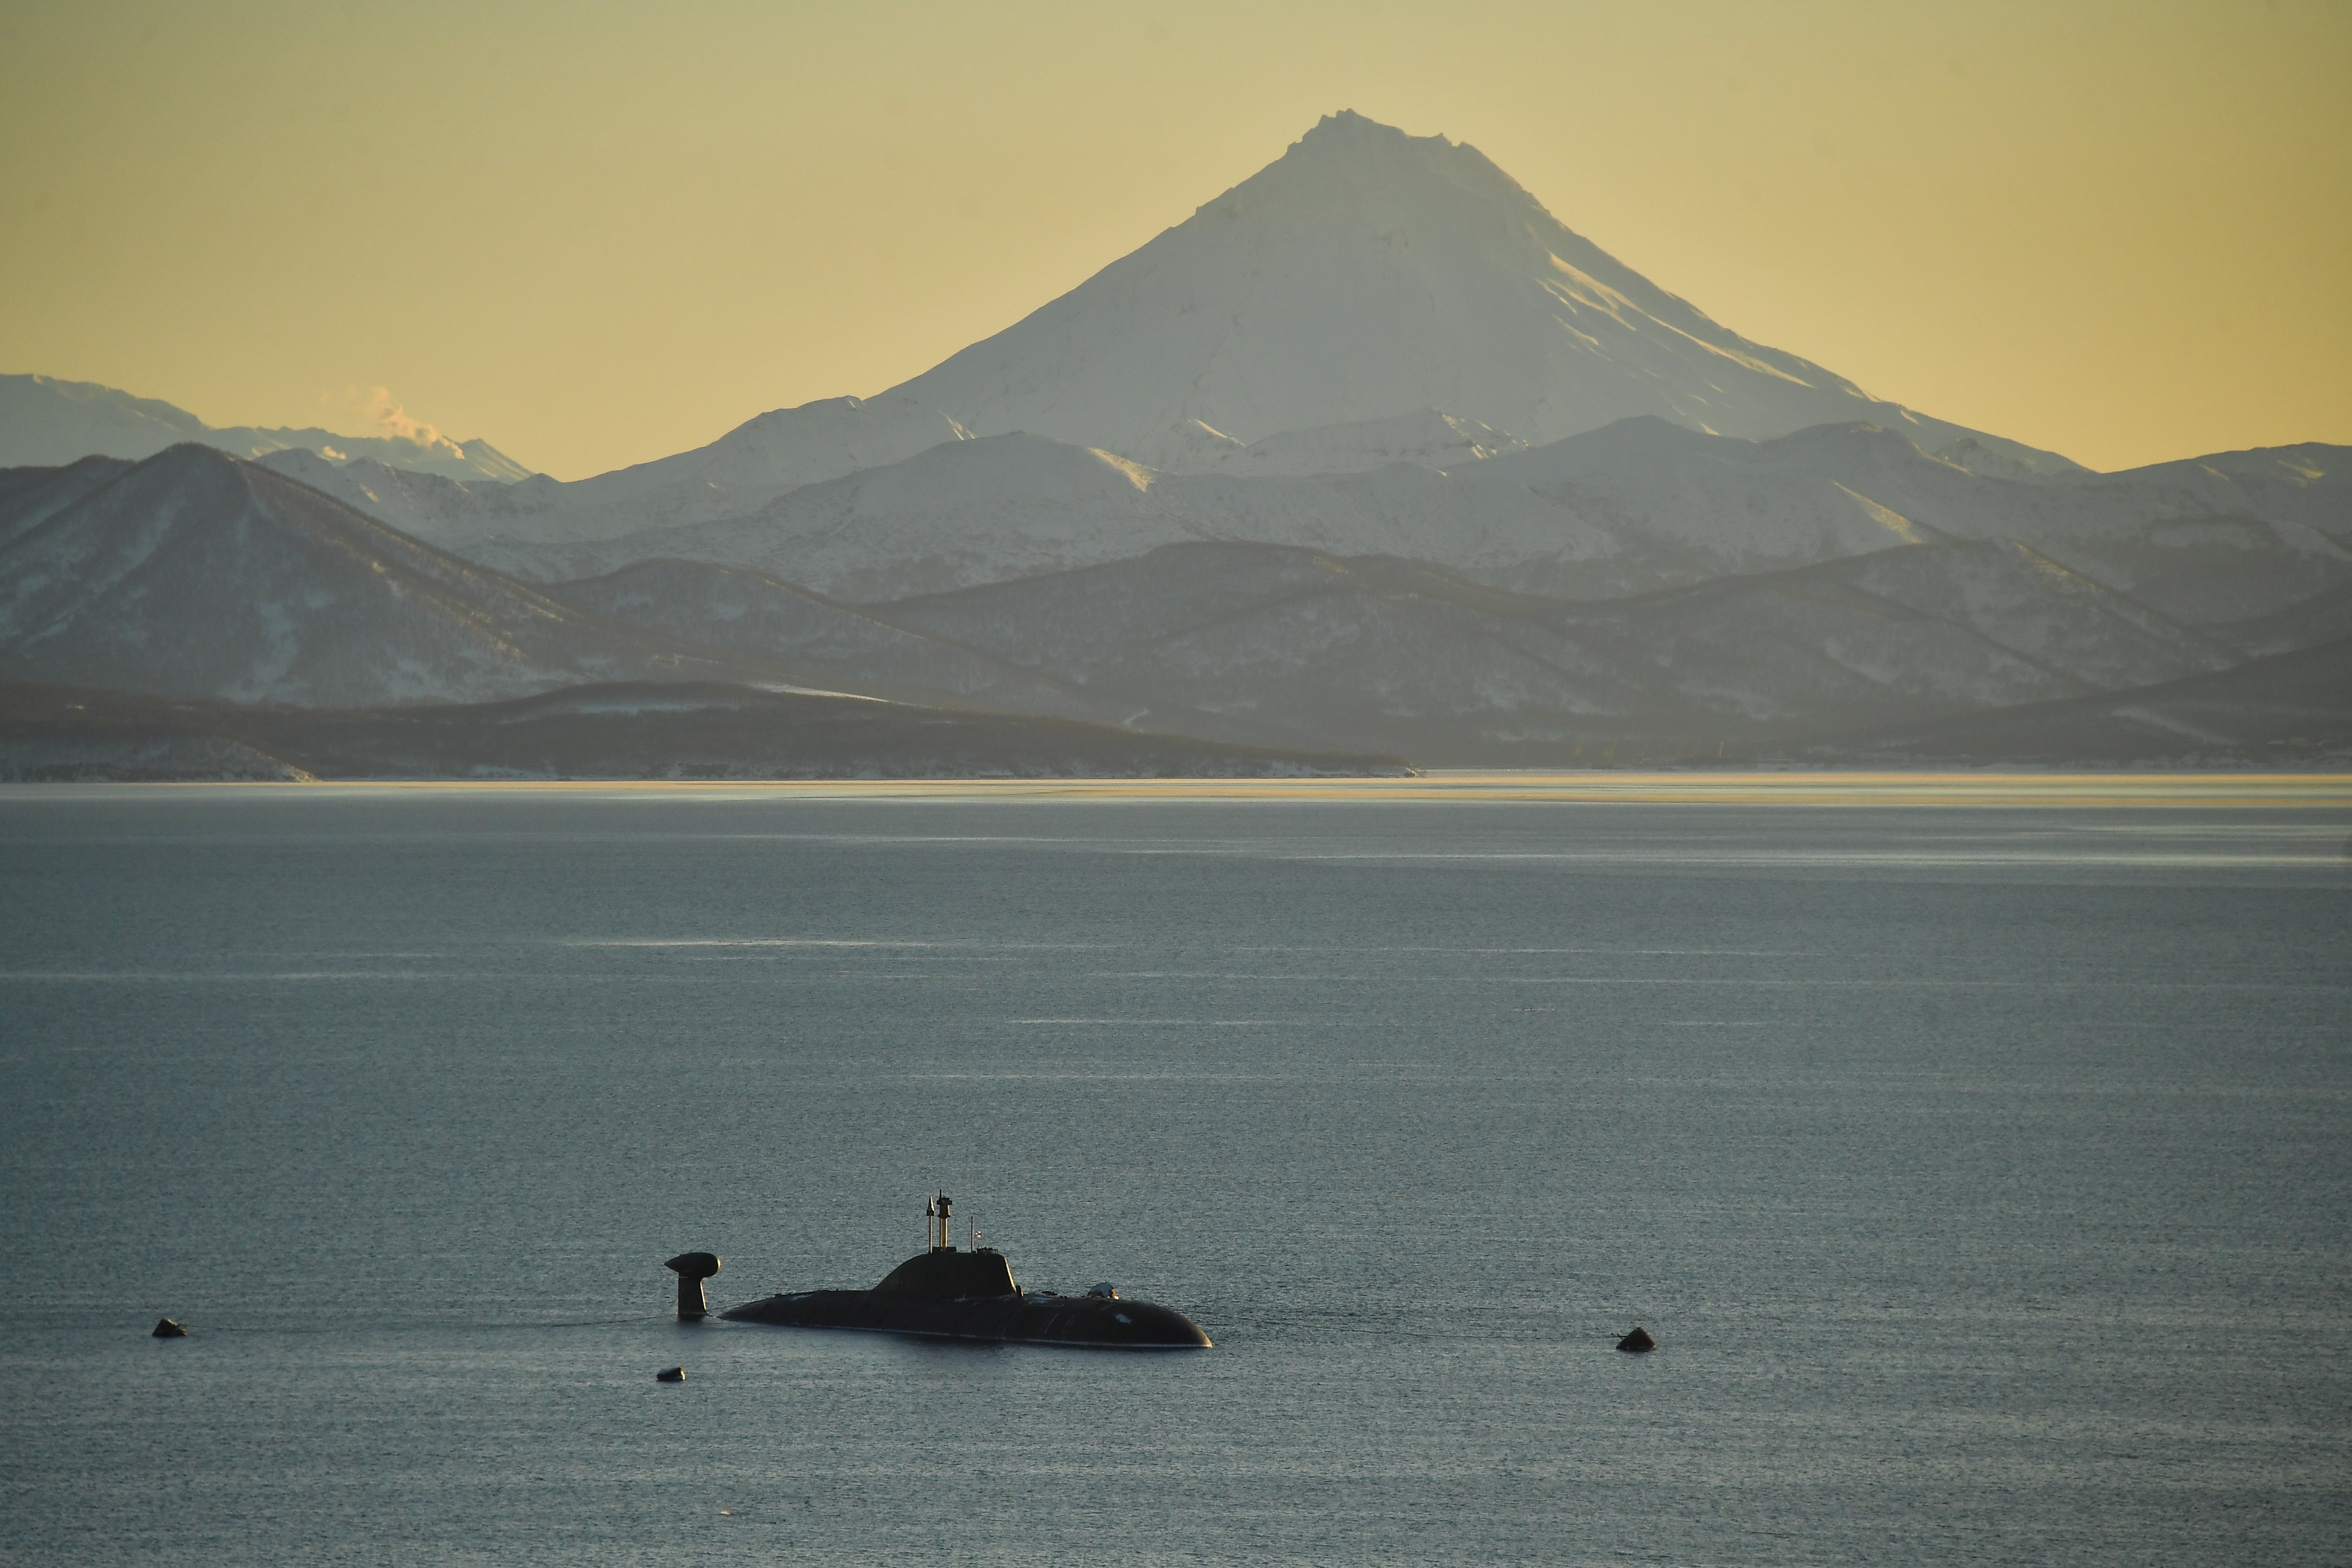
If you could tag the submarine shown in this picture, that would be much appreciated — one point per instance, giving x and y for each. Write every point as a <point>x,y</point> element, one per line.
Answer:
<point>942,1293</point>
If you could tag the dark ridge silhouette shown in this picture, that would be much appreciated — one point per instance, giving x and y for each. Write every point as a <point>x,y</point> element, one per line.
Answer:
<point>627,731</point>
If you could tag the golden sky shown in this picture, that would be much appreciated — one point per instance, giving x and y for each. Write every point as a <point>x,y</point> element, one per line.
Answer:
<point>594,234</point>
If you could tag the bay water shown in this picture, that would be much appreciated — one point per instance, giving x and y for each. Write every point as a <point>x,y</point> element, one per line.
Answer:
<point>1982,1171</point>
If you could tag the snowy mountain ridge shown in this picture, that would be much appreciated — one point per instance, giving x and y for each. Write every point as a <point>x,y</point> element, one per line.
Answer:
<point>1642,506</point>
<point>45,423</point>
<point>751,465</point>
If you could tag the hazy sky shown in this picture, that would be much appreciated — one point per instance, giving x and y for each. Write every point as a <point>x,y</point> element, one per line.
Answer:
<point>593,234</point>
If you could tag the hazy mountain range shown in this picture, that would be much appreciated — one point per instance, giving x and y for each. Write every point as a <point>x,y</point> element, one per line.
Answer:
<point>1638,506</point>
<point>1370,455</point>
<point>44,421</point>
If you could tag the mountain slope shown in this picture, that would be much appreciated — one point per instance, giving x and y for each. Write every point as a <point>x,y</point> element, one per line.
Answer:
<point>2286,710</point>
<point>963,512</point>
<point>674,731</point>
<point>45,422</point>
<point>432,507</point>
<point>1367,274</point>
<point>194,573</point>
<point>743,470</point>
<point>2310,484</point>
<point>29,497</point>
<point>1642,506</point>
<point>1288,645</point>
<point>757,616</point>
<point>1660,506</point>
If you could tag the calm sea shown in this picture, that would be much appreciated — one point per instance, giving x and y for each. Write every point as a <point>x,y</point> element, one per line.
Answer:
<point>1984,1175</point>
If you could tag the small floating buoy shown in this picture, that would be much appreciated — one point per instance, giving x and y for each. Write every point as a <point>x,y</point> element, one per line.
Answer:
<point>165,1329</point>
<point>674,1374</point>
<point>1639,1339</point>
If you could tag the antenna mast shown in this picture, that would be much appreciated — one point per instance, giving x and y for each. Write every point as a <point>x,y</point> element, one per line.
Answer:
<point>937,1232</point>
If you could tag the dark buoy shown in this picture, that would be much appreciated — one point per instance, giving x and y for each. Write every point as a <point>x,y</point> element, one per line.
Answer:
<point>692,1269</point>
<point>673,1374</point>
<point>1639,1339</point>
<point>165,1329</point>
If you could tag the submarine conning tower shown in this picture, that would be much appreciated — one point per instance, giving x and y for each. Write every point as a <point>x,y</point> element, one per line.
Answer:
<point>940,1273</point>
<point>935,1224</point>
<point>692,1269</point>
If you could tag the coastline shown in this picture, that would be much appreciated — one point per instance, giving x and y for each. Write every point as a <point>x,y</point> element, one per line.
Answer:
<point>1789,787</point>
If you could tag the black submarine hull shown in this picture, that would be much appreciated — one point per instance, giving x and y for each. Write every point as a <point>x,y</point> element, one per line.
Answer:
<point>1075,1322</point>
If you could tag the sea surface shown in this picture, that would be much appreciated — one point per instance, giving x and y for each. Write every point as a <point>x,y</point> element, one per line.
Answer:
<point>1984,1171</point>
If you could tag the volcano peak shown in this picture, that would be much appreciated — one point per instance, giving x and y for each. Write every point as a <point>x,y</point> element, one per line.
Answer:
<point>1362,275</point>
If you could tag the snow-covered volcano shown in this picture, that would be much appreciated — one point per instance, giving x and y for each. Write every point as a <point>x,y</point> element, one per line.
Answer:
<point>1368,274</point>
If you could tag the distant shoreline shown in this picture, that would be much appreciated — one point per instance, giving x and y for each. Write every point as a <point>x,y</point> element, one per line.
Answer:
<point>1747,786</point>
